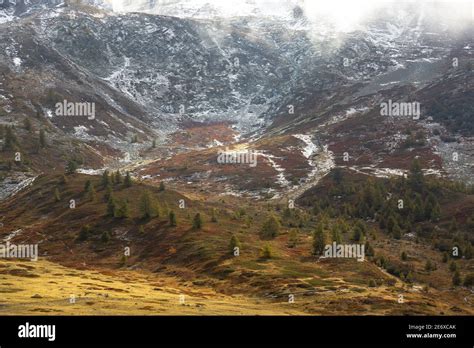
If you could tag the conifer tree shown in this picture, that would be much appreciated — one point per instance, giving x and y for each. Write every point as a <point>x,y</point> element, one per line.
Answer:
<point>63,180</point>
<point>84,233</point>
<point>418,211</point>
<point>11,140</point>
<point>148,206</point>
<point>271,228</point>
<point>105,178</point>
<point>416,178</point>
<point>118,177</point>
<point>453,266</point>
<point>319,240</point>
<point>197,222</point>
<point>57,196</point>
<point>87,185</point>
<point>369,250</point>
<point>397,232</point>
<point>123,211</point>
<point>27,124</point>
<point>456,278</point>
<point>42,139</point>
<point>266,252</point>
<point>336,235</point>
<point>111,206</point>
<point>128,182</point>
<point>234,243</point>
<point>108,193</point>
<point>91,194</point>
<point>172,219</point>
<point>293,239</point>
<point>105,237</point>
<point>71,167</point>
<point>213,215</point>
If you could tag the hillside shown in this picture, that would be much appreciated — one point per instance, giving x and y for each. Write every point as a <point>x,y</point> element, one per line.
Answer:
<point>156,149</point>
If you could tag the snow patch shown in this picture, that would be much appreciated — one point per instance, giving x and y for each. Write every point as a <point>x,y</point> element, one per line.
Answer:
<point>17,61</point>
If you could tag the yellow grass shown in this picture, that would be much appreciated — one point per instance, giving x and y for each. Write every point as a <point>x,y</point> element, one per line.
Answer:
<point>45,288</point>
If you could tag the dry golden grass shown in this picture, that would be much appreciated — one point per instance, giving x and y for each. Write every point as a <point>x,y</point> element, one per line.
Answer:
<point>45,288</point>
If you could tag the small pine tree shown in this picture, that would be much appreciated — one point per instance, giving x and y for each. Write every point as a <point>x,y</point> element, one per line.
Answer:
<point>63,180</point>
<point>84,233</point>
<point>108,193</point>
<point>336,235</point>
<point>456,278</point>
<point>172,219</point>
<point>319,240</point>
<point>11,141</point>
<point>118,177</point>
<point>105,179</point>
<point>111,206</point>
<point>148,206</point>
<point>57,196</point>
<point>416,178</point>
<point>293,239</point>
<point>369,250</point>
<point>445,258</point>
<point>213,216</point>
<point>357,235</point>
<point>141,229</point>
<point>404,256</point>
<point>71,167</point>
<point>391,222</point>
<point>105,237</point>
<point>453,266</point>
<point>418,210</point>
<point>153,144</point>
<point>123,211</point>
<point>162,186</point>
<point>271,228</point>
<point>397,232</point>
<point>91,194</point>
<point>234,243</point>
<point>128,182</point>
<point>266,252</point>
<point>27,124</point>
<point>87,185</point>
<point>428,266</point>
<point>42,139</point>
<point>197,222</point>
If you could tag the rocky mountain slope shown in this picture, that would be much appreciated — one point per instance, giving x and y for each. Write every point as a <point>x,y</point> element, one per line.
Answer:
<point>176,85</point>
